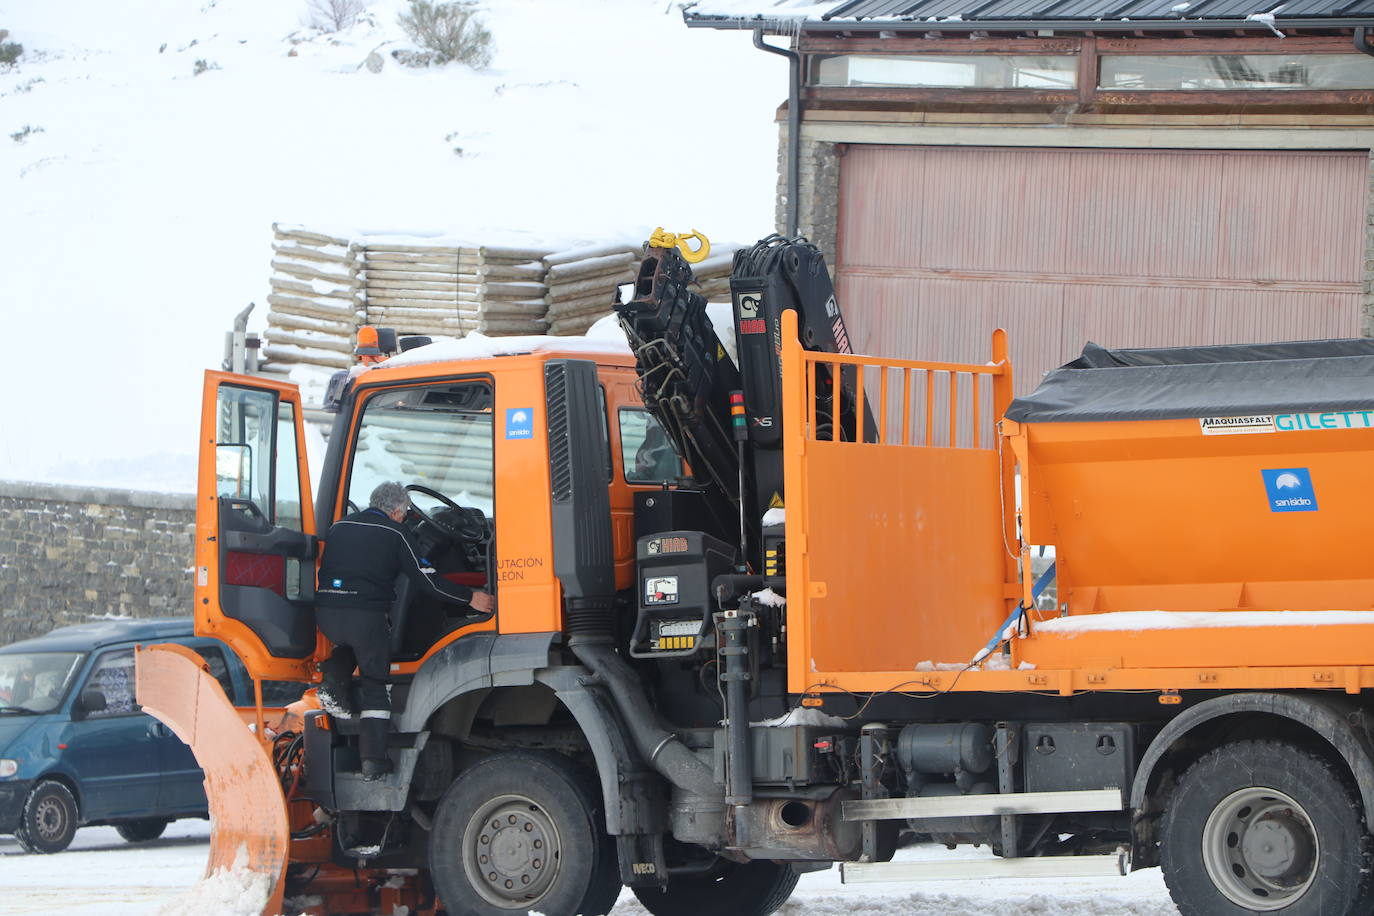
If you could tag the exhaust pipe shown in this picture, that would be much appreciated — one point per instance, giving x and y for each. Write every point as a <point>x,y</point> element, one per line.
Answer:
<point>584,561</point>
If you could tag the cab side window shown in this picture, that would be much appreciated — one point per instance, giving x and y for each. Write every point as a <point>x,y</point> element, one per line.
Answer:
<point>113,676</point>
<point>647,454</point>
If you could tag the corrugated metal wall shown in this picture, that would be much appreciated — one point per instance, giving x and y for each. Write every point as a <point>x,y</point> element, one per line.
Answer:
<point>939,245</point>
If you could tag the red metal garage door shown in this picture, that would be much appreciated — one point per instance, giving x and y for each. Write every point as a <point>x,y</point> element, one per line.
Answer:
<point>939,245</point>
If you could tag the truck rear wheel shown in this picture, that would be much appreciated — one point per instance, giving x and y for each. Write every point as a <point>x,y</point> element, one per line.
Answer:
<point>755,888</point>
<point>1264,827</point>
<point>523,831</point>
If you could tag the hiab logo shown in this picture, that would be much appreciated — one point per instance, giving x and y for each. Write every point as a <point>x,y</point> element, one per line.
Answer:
<point>1290,490</point>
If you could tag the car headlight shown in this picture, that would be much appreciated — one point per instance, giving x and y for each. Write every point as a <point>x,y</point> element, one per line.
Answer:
<point>8,767</point>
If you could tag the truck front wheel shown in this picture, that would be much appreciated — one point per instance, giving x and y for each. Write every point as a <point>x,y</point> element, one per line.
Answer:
<point>1264,827</point>
<point>521,832</point>
<point>755,888</point>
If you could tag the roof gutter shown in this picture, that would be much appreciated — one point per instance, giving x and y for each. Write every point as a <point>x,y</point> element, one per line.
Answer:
<point>793,129</point>
<point>794,26</point>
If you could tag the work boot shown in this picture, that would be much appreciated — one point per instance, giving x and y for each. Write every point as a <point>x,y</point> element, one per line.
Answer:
<point>335,699</point>
<point>336,691</point>
<point>376,769</point>
<point>372,732</point>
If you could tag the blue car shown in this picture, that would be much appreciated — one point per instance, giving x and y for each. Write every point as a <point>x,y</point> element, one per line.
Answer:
<point>75,748</point>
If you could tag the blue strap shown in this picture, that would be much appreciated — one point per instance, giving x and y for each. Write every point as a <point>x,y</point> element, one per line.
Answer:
<point>1017,611</point>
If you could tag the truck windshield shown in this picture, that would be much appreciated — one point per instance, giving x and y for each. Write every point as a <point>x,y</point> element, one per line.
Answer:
<point>33,682</point>
<point>438,436</point>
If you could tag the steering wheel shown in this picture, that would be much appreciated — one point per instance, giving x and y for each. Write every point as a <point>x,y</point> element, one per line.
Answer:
<point>466,524</point>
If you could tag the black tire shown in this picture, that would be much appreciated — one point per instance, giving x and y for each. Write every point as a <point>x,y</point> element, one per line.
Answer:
<point>142,830</point>
<point>49,819</point>
<point>755,888</point>
<point>1264,827</point>
<point>541,801</point>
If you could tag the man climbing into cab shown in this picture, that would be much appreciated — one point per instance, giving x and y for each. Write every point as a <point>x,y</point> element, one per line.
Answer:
<point>364,554</point>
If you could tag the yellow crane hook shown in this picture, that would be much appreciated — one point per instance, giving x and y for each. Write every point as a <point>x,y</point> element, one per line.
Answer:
<point>682,242</point>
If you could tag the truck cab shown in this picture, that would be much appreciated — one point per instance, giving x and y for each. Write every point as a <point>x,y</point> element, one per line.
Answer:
<point>466,437</point>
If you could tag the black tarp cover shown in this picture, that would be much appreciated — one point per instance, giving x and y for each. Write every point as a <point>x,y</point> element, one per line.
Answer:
<point>1168,383</point>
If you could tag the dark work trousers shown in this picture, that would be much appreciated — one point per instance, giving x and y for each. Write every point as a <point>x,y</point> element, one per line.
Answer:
<point>361,638</point>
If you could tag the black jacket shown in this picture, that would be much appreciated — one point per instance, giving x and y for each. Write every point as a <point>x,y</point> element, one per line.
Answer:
<point>364,553</point>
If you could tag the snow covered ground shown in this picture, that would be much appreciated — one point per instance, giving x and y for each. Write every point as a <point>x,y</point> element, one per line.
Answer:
<point>101,875</point>
<point>137,195</point>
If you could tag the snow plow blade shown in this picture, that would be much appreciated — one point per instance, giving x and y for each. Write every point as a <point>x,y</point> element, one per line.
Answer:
<point>249,832</point>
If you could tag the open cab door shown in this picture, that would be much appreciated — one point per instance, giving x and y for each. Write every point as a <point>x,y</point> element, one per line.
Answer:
<point>255,526</point>
<point>255,589</point>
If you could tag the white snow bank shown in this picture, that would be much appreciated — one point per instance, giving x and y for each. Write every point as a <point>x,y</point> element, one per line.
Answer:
<point>774,517</point>
<point>803,715</point>
<point>1184,620</point>
<point>235,891</point>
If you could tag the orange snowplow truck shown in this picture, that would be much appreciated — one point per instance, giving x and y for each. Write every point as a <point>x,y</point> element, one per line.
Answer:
<point>765,611</point>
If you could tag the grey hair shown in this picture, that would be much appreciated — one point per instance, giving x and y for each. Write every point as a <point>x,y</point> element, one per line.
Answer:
<point>389,497</point>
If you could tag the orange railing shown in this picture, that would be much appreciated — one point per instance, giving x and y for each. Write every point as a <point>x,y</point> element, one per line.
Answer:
<point>900,535</point>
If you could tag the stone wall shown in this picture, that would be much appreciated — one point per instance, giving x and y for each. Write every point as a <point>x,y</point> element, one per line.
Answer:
<point>819,197</point>
<point>68,554</point>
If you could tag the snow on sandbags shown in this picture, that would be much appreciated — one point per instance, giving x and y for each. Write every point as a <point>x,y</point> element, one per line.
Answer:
<point>315,300</point>
<point>582,282</point>
<point>449,290</point>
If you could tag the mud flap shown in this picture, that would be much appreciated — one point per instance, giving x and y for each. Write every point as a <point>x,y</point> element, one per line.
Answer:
<point>248,818</point>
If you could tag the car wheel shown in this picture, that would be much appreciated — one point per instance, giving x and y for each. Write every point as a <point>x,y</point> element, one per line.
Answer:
<point>522,832</point>
<point>48,821</point>
<point>142,830</point>
<point>755,888</point>
<point>1264,827</point>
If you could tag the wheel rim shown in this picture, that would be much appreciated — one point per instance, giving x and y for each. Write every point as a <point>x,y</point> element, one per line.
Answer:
<point>49,818</point>
<point>1260,849</point>
<point>511,851</point>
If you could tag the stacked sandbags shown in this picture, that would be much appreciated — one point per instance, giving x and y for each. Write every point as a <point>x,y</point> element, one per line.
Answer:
<point>414,288</point>
<point>582,284</point>
<point>315,300</point>
<point>448,290</point>
<point>713,274</point>
<point>509,298</point>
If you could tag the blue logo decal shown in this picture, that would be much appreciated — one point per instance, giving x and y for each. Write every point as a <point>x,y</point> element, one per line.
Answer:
<point>520,423</point>
<point>1290,490</point>
<point>338,583</point>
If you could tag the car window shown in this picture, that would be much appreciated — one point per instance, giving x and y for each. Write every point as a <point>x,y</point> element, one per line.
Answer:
<point>113,676</point>
<point>219,669</point>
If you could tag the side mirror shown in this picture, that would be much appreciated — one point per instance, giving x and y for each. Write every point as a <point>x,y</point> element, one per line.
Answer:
<point>91,700</point>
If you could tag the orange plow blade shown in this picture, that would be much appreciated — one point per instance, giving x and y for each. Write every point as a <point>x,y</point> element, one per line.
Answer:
<point>249,833</point>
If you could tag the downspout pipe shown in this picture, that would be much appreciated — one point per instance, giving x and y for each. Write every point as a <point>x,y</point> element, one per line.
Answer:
<point>1361,41</point>
<point>793,130</point>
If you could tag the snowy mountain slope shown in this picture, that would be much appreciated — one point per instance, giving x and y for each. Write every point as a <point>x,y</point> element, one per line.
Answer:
<point>138,198</point>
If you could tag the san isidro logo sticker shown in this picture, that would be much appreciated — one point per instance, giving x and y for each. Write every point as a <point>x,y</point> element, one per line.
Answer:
<point>1290,490</point>
<point>520,423</point>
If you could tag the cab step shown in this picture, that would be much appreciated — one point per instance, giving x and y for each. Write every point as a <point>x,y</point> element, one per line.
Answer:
<point>982,805</point>
<point>1115,864</point>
